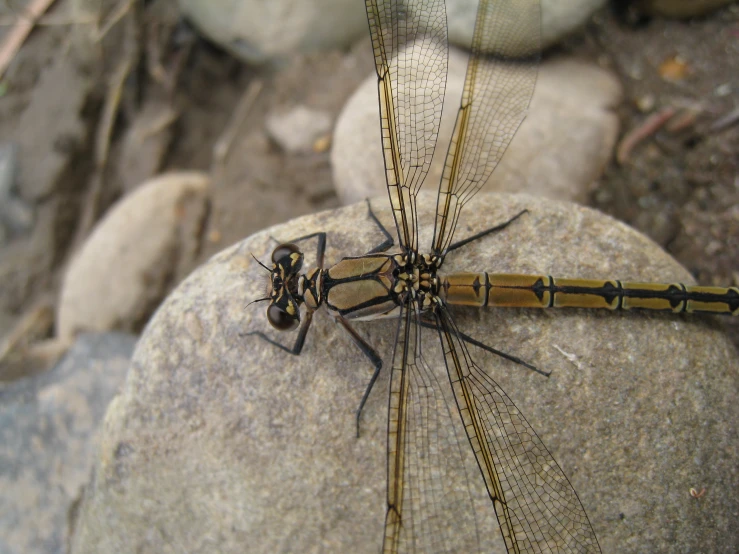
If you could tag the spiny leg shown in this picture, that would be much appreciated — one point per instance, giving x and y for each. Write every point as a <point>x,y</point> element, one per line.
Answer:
<point>297,348</point>
<point>431,324</point>
<point>486,232</point>
<point>388,243</point>
<point>373,356</point>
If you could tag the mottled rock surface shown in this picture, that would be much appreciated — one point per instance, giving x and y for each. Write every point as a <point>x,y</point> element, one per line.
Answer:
<point>47,432</point>
<point>222,443</point>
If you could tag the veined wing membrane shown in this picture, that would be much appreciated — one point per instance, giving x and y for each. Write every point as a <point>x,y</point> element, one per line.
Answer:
<point>537,508</point>
<point>430,508</point>
<point>498,86</point>
<point>409,39</point>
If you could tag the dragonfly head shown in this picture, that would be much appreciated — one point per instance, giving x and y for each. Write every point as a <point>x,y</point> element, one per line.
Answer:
<point>283,312</point>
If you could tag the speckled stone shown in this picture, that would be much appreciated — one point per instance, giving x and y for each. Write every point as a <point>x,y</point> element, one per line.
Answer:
<point>48,426</point>
<point>222,443</point>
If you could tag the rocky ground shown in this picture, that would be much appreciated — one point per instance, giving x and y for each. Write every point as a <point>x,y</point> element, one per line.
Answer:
<point>99,103</point>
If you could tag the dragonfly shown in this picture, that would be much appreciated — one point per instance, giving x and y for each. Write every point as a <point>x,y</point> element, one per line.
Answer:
<point>536,507</point>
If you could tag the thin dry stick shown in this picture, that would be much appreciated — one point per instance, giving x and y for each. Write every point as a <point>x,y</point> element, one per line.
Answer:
<point>47,20</point>
<point>121,10</point>
<point>725,121</point>
<point>32,325</point>
<point>646,129</point>
<point>18,35</point>
<point>160,122</point>
<point>110,110</point>
<point>102,147</point>
<point>223,145</point>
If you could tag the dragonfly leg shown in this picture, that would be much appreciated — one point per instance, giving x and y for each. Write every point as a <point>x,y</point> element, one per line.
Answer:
<point>320,250</point>
<point>373,356</point>
<point>431,324</point>
<point>486,232</point>
<point>388,242</point>
<point>297,348</point>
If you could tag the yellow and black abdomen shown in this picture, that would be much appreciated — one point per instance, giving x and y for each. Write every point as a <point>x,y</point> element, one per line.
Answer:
<point>539,291</point>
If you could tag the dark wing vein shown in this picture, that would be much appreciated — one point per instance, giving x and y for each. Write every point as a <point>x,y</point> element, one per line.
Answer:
<point>409,40</point>
<point>499,83</point>
<point>429,505</point>
<point>537,508</point>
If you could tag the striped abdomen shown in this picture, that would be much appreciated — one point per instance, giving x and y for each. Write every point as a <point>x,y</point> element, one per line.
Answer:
<point>539,291</point>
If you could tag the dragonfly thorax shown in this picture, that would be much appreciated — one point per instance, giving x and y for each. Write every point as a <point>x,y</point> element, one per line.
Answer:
<point>366,287</point>
<point>416,278</point>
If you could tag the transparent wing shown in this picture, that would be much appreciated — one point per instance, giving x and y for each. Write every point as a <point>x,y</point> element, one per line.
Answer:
<point>536,506</point>
<point>430,509</point>
<point>499,83</point>
<point>409,39</point>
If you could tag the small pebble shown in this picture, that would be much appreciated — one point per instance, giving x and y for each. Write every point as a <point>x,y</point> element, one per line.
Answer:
<point>297,130</point>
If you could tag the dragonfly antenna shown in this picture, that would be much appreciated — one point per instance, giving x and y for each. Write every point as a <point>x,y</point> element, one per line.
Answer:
<point>264,266</point>
<point>255,301</point>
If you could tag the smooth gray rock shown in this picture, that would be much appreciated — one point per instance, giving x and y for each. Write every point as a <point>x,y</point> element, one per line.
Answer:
<point>223,443</point>
<point>561,147</point>
<point>47,432</point>
<point>558,18</point>
<point>261,32</point>
<point>125,266</point>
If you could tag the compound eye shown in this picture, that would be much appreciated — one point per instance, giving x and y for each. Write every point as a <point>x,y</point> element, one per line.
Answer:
<point>284,250</point>
<point>280,319</point>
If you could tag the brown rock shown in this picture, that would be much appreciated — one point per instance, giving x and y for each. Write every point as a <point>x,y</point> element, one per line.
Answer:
<point>222,443</point>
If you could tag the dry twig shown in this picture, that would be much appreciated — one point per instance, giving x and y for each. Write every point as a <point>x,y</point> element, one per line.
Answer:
<point>652,124</point>
<point>119,13</point>
<point>223,145</point>
<point>19,33</point>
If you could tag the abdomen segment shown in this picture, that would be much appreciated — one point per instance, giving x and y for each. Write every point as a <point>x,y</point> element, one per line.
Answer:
<point>540,291</point>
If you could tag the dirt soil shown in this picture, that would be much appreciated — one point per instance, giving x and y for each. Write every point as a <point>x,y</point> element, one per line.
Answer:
<point>679,185</point>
